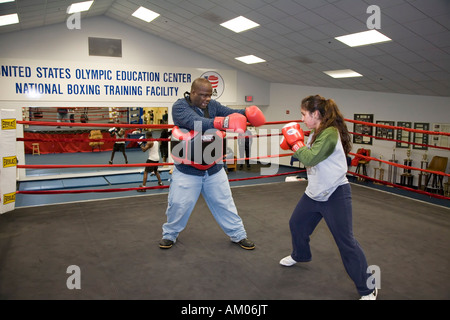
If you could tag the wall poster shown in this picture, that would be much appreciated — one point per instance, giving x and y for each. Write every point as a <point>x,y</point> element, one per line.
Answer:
<point>386,133</point>
<point>363,129</point>
<point>402,135</point>
<point>441,140</point>
<point>420,138</point>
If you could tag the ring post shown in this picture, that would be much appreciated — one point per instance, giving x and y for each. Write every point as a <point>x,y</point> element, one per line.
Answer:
<point>9,160</point>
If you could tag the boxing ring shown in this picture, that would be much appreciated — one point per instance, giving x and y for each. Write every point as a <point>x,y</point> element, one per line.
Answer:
<point>114,243</point>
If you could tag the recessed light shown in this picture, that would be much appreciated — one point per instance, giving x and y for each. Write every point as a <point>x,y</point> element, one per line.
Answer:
<point>145,14</point>
<point>79,6</point>
<point>250,59</point>
<point>9,19</point>
<point>239,24</point>
<point>363,38</point>
<point>344,73</point>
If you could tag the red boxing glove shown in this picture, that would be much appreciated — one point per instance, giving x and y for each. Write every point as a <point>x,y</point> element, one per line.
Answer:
<point>235,122</point>
<point>182,134</point>
<point>294,135</point>
<point>255,116</point>
<point>284,145</point>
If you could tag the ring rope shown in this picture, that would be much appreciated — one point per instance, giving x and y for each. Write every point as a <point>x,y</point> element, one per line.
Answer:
<point>398,128</point>
<point>72,124</point>
<point>90,125</point>
<point>64,166</point>
<point>168,126</point>
<point>141,188</point>
<point>89,140</point>
<point>401,141</point>
<point>400,165</point>
<point>434,195</point>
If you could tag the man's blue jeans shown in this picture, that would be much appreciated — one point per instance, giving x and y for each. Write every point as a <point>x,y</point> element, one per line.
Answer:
<point>183,195</point>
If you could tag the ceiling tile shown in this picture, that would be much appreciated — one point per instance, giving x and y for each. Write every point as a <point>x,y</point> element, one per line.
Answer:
<point>288,6</point>
<point>425,27</point>
<point>403,13</point>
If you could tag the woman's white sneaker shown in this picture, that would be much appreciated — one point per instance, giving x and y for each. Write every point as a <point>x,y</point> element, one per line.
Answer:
<point>371,296</point>
<point>287,261</point>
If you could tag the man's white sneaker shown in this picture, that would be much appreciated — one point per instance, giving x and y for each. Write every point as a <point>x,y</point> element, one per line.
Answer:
<point>287,261</point>
<point>371,296</point>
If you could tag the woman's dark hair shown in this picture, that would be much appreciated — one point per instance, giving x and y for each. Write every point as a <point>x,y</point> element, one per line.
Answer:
<point>330,117</point>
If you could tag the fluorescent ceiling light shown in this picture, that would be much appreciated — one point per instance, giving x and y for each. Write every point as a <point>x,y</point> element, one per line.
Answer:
<point>250,59</point>
<point>363,38</point>
<point>9,19</point>
<point>79,6</point>
<point>239,24</point>
<point>145,14</point>
<point>345,73</point>
<point>5,1</point>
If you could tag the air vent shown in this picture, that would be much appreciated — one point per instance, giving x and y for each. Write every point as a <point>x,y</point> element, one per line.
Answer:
<point>211,16</point>
<point>105,47</point>
<point>303,59</point>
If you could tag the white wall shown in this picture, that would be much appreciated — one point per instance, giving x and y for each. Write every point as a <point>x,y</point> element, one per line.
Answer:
<point>58,43</point>
<point>384,106</point>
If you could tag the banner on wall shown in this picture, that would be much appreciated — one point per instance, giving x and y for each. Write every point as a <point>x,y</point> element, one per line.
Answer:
<point>60,81</point>
<point>9,160</point>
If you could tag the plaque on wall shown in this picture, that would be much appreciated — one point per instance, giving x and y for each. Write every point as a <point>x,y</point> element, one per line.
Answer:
<point>362,129</point>
<point>386,133</point>
<point>420,138</point>
<point>439,139</point>
<point>402,135</point>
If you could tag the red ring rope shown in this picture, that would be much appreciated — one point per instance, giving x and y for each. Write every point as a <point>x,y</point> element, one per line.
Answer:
<point>71,124</point>
<point>140,188</point>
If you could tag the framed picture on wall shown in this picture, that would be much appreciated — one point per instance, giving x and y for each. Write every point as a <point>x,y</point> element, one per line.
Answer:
<point>403,136</point>
<point>362,131</point>
<point>420,138</point>
<point>438,139</point>
<point>386,133</point>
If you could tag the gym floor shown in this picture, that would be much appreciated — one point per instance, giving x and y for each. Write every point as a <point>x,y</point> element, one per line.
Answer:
<point>113,239</point>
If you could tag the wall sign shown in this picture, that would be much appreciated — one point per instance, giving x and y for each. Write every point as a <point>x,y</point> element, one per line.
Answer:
<point>363,129</point>
<point>403,136</point>
<point>420,138</point>
<point>61,81</point>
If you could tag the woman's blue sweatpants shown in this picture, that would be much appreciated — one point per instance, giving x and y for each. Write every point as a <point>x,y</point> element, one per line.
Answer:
<point>337,212</point>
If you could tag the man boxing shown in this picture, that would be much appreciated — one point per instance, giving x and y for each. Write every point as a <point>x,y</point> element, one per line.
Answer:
<point>197,118</point>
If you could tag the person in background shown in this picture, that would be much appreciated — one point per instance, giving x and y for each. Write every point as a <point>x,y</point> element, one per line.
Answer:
<point>72,115</point>
<point>165,117</point>
<point>164,145</point>
<point>328,193</point>
<point>62,114</point>
<point>153,157</point>
<point>119,133</point>
<point>245,144</point>
<point>151,116</point>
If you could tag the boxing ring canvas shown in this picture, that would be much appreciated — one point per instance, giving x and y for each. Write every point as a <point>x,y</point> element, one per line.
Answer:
<point>114,243</point>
